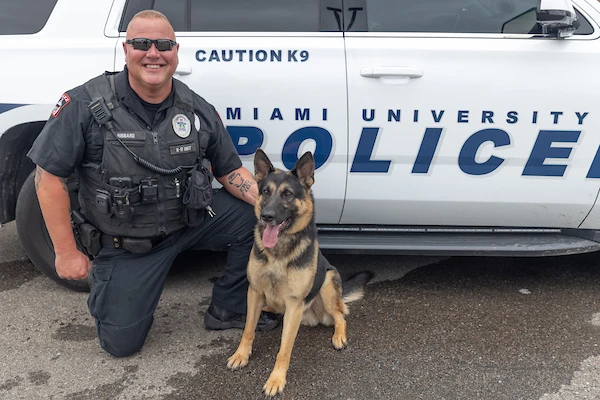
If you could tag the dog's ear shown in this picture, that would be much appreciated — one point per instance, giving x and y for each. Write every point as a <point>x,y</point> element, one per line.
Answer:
<point>262,165</point>
<point>305,169</point>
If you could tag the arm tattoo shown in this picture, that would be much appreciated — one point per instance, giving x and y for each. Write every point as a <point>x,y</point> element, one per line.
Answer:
<point>66,189</point>
<point>236,180</point>
<point>64,184</point>
<point>37,177</point>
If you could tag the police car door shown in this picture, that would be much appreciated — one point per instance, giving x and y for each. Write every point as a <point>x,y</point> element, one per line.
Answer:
<point>275,72</point>
<point>459,116</point>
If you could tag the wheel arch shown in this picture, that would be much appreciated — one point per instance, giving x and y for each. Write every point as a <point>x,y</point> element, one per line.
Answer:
<point>14,145</point>
<point>34,236</point>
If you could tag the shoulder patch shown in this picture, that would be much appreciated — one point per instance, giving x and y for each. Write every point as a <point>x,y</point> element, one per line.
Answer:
<point>62,102</point>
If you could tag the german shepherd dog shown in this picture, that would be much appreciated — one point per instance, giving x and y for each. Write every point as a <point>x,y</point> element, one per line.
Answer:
<point>287,272</point>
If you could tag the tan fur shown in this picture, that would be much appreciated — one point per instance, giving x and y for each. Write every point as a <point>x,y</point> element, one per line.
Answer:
<point>317,312</point>
<point>277,284</point>
<point>353,297</point>
<point>283,290</point>
<point>300,223</point>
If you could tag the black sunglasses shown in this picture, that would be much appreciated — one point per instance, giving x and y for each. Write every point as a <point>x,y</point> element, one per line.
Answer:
<point>145,44</point>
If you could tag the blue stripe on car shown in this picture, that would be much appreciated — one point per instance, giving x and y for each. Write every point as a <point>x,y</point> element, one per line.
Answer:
<point>4,107</point>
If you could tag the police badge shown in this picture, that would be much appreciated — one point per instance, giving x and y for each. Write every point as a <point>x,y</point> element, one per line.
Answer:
<point>182,126</point>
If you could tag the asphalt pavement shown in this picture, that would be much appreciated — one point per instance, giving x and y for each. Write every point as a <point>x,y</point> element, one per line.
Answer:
<point>428,328</point>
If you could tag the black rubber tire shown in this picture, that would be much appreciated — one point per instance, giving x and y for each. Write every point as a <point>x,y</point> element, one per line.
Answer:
<point>34,236</point>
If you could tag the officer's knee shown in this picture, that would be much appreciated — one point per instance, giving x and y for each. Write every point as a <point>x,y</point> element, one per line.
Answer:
<point>124,342</point>
<point>120,349</point>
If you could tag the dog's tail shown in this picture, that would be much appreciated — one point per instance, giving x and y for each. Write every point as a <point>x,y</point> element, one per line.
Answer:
<point>354,287</point>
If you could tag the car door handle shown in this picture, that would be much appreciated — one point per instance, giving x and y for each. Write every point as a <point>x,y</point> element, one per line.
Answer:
<point>391,72</point>
<point>183,70</point>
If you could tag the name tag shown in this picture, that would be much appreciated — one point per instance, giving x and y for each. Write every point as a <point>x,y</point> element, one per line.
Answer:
<point>183,148</point>
<point>129,136</point>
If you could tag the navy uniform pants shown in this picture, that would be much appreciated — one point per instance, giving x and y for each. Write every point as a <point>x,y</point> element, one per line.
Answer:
<point>126,287</point>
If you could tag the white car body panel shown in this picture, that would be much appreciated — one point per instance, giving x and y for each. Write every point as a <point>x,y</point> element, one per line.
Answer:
<point>474,75</point>
<point>502,74</point>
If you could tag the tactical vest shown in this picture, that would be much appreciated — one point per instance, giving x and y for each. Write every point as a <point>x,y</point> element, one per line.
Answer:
<point>124,198</point>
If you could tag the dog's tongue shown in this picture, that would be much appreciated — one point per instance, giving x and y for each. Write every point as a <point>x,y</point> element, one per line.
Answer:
<point>271,235</point>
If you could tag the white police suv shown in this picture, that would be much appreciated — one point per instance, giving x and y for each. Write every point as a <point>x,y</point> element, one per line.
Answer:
<point>438,126</point>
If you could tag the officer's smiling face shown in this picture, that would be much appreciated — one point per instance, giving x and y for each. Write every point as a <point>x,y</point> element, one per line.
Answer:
<point>150,71</point>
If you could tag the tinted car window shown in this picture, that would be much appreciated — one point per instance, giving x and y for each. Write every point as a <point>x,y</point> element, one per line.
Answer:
<point>237,15</point>
<point>19,17</point>
<point>457,16</point>
<point>175,11</point>
<point>585,28</point>
<point>256,15</point>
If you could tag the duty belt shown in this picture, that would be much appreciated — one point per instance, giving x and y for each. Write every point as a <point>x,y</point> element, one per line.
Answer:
<point>131,244</point>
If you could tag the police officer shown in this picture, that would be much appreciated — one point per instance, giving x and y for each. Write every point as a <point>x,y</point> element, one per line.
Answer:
<point>143,146</point>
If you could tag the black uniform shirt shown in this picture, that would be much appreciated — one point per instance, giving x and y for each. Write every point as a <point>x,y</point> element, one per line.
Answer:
<point>71,138</point>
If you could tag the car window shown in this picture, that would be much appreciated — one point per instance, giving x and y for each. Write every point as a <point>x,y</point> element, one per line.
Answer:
<point>458,16</point>
<point>20,17</point>
<point>237,15</point>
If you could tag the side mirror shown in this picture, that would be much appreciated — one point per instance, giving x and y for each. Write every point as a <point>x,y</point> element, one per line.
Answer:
<point>557,18</point>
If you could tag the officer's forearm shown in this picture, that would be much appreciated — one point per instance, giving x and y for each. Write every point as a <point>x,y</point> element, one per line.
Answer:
<point>241,184</point>
<point>55,204</point>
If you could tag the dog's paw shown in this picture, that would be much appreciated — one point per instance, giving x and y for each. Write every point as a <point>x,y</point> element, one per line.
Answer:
<point>238,360</point>
<point>274,385</point>
<point>339,341</point>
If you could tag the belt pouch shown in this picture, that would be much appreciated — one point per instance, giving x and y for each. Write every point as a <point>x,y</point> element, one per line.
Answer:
<point>197,196</point>
<point>137,245</point>
<point>90,239</point>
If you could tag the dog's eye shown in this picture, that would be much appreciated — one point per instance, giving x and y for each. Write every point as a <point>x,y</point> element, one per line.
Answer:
<point>265,191</point>
<point>288,193</point>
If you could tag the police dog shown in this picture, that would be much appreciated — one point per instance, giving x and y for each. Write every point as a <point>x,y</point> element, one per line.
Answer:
<point>287,272</point>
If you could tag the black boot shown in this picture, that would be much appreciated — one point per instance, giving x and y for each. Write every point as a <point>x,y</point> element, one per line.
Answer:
<point>217,318</point>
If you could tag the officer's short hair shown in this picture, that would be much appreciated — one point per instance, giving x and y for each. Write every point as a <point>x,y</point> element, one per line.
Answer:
<point>149,14</point>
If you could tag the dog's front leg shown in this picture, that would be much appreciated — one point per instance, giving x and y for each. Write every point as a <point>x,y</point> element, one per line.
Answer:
<point>240,358</point>
<point>291,324</point>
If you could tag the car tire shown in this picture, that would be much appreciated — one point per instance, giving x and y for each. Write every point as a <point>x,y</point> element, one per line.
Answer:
<point>34,236</point>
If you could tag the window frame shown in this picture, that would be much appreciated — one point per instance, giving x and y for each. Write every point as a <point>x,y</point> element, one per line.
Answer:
<point>365,33</point>
<point>327,22</point>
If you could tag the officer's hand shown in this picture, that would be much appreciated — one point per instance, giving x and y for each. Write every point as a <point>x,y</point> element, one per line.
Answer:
<point>72,265</point>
